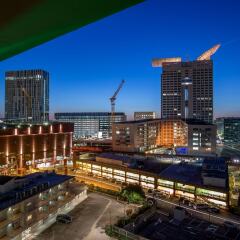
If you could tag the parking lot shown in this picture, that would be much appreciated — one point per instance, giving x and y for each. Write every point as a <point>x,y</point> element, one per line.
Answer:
<point>207,212</point>
<point>158,225</point>
<point>89,219</point>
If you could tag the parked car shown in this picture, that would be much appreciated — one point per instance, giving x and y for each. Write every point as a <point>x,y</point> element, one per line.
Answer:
<point>200,206</point>
<point>229,224</point>
<point>212,228</point>
<point>64,218</point>
<point>187,203</point>
<point>213,210</point>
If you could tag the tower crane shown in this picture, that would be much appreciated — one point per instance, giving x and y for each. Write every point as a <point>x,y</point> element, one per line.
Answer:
<point>114,97</point>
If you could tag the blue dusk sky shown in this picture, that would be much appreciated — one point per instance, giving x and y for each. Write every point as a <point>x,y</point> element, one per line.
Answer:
<point>87,65</point>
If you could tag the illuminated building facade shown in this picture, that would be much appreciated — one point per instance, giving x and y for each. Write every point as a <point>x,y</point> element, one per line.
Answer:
<point>91,124</point>
<point>23,146</point>
<point>144,115</point>
<point>179,180</point>
<point>27,96</point>
<point>138,136</point>
<point>31,203</point>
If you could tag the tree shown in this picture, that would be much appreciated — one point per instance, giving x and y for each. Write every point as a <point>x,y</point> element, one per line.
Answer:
<point>133,193</point>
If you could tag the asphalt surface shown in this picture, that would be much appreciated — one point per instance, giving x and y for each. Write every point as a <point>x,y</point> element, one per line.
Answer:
<point>89,219</point>
<point>168,206</point>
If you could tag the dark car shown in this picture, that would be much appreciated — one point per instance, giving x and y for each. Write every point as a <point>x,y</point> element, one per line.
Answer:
<point>213,210</point>
<point>63,218</point>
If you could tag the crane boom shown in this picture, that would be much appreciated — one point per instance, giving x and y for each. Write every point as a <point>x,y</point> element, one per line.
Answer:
<point>117,91</point>
<point>113,99</point>
<point>207,55</point>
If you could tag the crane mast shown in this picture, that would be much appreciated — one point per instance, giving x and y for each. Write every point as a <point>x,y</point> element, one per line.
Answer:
<point>113,99</point>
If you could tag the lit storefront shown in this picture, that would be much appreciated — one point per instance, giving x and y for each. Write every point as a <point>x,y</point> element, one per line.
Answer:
<point>150,180</point>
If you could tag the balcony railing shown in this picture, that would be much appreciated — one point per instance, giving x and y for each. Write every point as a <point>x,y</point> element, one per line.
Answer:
<point>211,196</point>
<point>185,189</point>
<point>165,185</point>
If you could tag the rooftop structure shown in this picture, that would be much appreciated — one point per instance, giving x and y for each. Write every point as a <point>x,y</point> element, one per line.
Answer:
<point>158,62</point>
<point>184,173</point>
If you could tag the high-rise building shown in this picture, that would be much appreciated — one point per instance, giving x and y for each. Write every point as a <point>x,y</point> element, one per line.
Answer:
<point>144,115</point>
<point>187,87</point>
<point>27,96</point>
<point>228,130</point>
<point>91,124</point>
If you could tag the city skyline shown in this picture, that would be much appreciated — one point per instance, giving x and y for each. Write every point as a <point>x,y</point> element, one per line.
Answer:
<point>74,59</point>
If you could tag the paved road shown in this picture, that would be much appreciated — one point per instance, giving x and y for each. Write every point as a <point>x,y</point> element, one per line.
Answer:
<point>89,219</point>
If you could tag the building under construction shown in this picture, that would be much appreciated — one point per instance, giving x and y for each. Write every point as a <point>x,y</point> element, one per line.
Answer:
<point>187,87</point>
<point>27,96</point>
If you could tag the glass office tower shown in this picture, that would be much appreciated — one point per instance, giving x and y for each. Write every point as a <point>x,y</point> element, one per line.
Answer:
<point>27,96</point>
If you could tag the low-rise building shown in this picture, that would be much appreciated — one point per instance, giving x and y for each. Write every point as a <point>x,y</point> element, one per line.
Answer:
<point>180,180</point>
<point>30,204</point>
<point>196,137</point>
<point>144,115</point>
<point>25,146</point>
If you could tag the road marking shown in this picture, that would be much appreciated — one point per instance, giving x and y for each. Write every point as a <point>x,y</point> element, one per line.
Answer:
<point>98,219</point>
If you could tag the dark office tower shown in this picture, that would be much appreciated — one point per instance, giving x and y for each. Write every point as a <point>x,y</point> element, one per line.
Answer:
<point>187,87</point>
<point>228,130</point>
<point>27,96</point>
